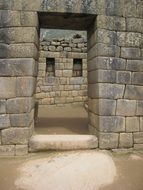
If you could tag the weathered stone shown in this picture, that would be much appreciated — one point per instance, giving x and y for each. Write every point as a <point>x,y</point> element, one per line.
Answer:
<point>102,106</point>
<point>4,121</point>
<point>67,73</point>
<point>21,120</point>
<point>137,78</point>
<point>15,136</point>
<point>126,140</point>
<point>132,124</point>
<point>138,146</point>
<point>25,86</point>
<point>21,150</point>
<point>76,80</point>
<point>108,140</point>
<point>111,124</point>
<point>7,87</point>
<point>2,106</point>
<point>102,76</point>
<point>134,65</point>
<point>124,77</point>
<point>126,107</point>
<point>111,22</point>
<point>7,150</point>
<point>129,39</point>
<point>138,138</point>
<point>130,53</point>
<point>93,120</point>
<point>134,24</point>
<point>19,105</point>
<point>18,67</point>
<point>105,91</point>
<point>133,92</point>
<point>52,48</point>
<point>141,123</point>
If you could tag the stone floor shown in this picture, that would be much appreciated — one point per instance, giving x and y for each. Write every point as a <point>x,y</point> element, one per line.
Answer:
<point>62,120</point>
<point>74,170</point>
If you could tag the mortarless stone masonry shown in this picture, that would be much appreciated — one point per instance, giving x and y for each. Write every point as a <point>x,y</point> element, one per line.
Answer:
<point>114,61</point>
<point>63,87</point>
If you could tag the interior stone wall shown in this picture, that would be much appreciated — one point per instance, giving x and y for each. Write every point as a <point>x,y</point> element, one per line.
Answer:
<point>63,88</point>
<point>115,65</point>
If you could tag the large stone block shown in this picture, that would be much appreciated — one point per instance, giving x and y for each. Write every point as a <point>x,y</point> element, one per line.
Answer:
<point>106,91</point>
<point>2,106</point>
<point>124,77</point>
<point>19,105</point>
<point>19,35</point>
<point>139,110</point>
<point>138,146</point>
<point>141,123</point>
<point>7,150</point>
<point>15,136</point>
<point>126,140</point>
<point>102,76</point>
<point>21,150</point>
<point>28,18</point>
<point>126,107</point>
<point>111,23</point>
<point>130,53</point>
<point>18,67</point>
<point>4,121</point>
<point>137,78</point>
<point>104,107</point>
<point>76,80</point>
<point>134,65</point>
<point>134,24</point>
<point>133,92</point>
<point>25,86</point>
<point>132,124</point>
<point>21,120</point>
<point>129,39</point>
<point>138,138</point>
<point>111,124</point>
<point>108,140</point>
<point>7,87</point>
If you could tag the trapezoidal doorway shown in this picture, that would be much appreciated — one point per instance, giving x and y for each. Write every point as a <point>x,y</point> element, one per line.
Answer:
<point>63,120</point>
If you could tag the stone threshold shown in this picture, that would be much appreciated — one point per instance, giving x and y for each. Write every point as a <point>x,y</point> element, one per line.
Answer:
<point>62,142</point>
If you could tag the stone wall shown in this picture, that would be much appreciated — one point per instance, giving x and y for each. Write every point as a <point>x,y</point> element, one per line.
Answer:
<point>63,87</point>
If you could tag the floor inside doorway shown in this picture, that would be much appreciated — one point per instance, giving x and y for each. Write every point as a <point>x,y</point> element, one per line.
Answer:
<point>69,119</point>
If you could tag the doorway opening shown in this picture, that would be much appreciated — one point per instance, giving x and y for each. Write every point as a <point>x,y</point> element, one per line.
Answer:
<point>61,91</point>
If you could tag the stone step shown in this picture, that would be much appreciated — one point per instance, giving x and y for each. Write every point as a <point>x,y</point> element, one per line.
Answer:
<point>62,142</point>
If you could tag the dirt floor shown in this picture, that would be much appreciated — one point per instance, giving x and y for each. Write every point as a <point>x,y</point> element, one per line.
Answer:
<point>74,170</point>
<point>62,120</point>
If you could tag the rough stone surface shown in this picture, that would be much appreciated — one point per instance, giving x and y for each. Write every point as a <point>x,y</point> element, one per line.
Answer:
<point>132,124</point>
<point>7,150</point>
<point>4,121</point>
<point>21,150</point>
<point>134,92</point>
<point>108,140</point>
<point>2,106</point>
<point>15,136</point>
<point>7,87</point>
<point>126,140</point>
<point>138,138</point>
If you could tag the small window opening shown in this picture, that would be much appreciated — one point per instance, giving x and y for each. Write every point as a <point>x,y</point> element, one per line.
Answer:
<point>77,67</point>
<point>50,67</point>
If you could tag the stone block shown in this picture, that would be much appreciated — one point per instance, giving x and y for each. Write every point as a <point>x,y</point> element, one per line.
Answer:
<point>106,91</point>
<point>133,92</point>
<point>134,24</point>
<point>7,150</point>
<point>76,80</point>
<point>129,39</point>
<point>28,18</point>
<point>18,67</point>
<point>124,77</point>
<point>93,120</point>
<point>21,150</point>
<point>130,53</point>
<point>139,110</point>
<point>108,140</point>
<point>138,138</point>
<point>132,124</point>
<point>15,136</point>
<point>21,120</point>
<point>25,86</point>
<point>67,73</point>
<point>7,87</point>
<point>111,124</point>
<point>19,105</point>
<point>19,35</point>
<point>102,76</point>
<point>138,146</point>
<point>104,107</point>
<point>4,121</point>
<point>126,107</point>
<point>111,23</point>
<point>126,140</point>
<point>2,106</point>
<point>134,65</point>
<point>137,78</point>
<point>141,123</point>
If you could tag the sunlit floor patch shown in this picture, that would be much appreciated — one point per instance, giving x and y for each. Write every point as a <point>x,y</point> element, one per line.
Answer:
<point>88,170</point>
